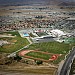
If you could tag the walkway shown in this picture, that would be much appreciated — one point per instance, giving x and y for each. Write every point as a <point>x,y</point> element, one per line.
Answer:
<point>14,53</point>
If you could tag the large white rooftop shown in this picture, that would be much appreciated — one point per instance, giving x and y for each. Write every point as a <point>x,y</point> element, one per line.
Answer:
<point>58,32</point>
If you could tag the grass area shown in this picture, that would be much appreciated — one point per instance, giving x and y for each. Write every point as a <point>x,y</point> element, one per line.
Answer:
<point>11,32</point>
<point>60,58</point>
<point>70,40</point>
<point>41,33</point>
<point>39,55</point>
<point>52,47</point>
<point>16,43</point>
<point>32,35</point>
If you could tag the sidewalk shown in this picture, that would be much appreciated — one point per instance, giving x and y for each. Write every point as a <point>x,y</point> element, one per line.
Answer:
<point>29,40</point>
<point>60,66</point>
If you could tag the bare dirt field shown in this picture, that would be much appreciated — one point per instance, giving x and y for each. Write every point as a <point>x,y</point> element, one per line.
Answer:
<point>10,9</point>
<point>21,69</point>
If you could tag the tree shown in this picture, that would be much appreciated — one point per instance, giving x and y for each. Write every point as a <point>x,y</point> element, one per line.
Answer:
<point>18,58</point>
<point>38,62</point>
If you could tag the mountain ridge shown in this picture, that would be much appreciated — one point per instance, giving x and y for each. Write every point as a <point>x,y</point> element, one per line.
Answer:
<point>40,2</point>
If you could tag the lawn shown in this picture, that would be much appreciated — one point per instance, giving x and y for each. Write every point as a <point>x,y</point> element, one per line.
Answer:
<point>41,33</point>
<point>11,32</point>
<point>39,55</point>
<point>32,35</point>
<point>16,43</point>
<point>52,47</point>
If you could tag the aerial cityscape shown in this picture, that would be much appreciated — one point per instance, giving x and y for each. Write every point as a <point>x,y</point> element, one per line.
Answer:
<point>37,37</point>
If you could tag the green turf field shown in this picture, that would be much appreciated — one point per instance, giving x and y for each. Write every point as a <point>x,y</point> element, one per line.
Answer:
<point>51,47</point>
<point>16,43</point>
<point>32,35</point>
<point>41,33</point>
<point>39,55</point>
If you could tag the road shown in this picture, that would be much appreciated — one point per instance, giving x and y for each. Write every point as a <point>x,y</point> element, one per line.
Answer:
<point>66,66</point>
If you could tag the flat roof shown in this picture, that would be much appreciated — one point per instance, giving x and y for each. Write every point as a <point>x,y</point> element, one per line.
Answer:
<point>71,19</point>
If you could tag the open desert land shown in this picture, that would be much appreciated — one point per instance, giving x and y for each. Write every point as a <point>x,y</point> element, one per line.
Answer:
<point>8,10</point>
<point>18,68</point>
